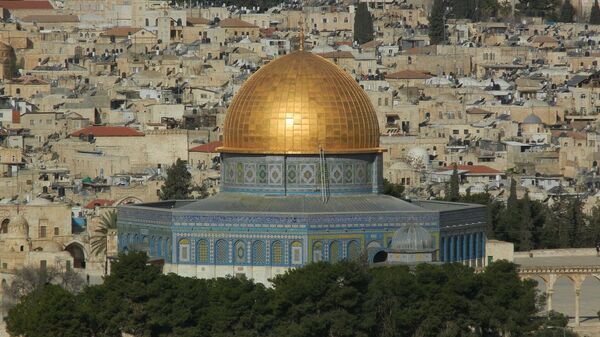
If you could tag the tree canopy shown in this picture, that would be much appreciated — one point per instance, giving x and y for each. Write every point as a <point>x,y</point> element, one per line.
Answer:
<point>595,14</point>
<point>320,299</point>
<point>437,22</point>
<point>567,12</point>
<point>363,24</point>
<point>178,184</point>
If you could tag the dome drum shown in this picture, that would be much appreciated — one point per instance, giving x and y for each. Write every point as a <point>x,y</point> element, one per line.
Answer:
<point>301,174</point>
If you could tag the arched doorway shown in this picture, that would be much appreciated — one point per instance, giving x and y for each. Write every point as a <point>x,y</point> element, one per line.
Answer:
<point>76,251</point>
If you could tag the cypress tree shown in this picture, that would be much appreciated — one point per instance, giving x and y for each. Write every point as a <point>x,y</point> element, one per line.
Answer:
<point>567,12</point>
<point>436,23</point>
<point>454,188</point>
<point>363,24</point>
<point>526,228</point>
<point>178,184</point>
<point>595,14</point>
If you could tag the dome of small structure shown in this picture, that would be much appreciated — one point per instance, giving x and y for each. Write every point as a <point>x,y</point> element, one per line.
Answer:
<point>532,119</point>
<point>301,103</point>
<point>18,227</point>
<point>412,237</point>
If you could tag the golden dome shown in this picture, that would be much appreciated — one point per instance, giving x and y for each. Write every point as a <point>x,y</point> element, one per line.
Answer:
<point>298,104</point>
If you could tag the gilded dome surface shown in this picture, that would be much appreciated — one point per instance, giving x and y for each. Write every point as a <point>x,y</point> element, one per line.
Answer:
<point>298,104</point>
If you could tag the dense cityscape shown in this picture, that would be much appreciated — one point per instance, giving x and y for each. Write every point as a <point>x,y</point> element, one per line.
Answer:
<point>303,168</point>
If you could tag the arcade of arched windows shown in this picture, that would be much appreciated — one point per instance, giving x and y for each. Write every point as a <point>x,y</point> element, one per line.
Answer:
<point>242,251</point>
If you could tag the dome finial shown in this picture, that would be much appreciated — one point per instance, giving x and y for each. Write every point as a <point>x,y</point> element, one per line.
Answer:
<point>301,24</point>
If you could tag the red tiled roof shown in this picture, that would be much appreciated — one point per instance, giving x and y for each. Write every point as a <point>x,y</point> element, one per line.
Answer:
<point>14,4</point>
<point>235,23</point>
<point>208,148</point>
<point>409,75</point>
<point>198,21</point>
<point>268,32</point>
<point>107,131</point>
<point>50,18</point>
<point>474,169</point>
<point>120,31</point>
<point>100,202</point>
<point>343,43</point>
<point>337,54</point>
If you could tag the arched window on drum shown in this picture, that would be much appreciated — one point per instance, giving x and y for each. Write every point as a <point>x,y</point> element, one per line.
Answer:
<point>184,250</point>
<point>276,253</point>
<point>296,252</point>
<point>353,250</point>
<point>317,253</point>
<point>221,252</point>
<point>334,252</point>
<point>258,253</point>
<point>203,251</point>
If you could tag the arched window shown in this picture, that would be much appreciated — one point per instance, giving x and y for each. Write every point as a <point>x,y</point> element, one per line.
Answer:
<point>240,252</point>
<point>258,253</point>
<point>202,251</point>
<point>147,22</point>
<point>184,250</point>
<point>221,254</point>
<point>4,226</point>
<point>296,252</point>
<point>317,251</point>
<point>334,252</point>
<point>276,253</point>
<point>159,247</point>
<point>353,250</point>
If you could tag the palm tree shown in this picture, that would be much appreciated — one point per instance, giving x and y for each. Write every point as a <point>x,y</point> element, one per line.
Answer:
<point>100,240</point>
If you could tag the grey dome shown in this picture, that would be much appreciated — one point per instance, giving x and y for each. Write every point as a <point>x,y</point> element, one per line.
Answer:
<point>412,237</point>
<point>532,119</point>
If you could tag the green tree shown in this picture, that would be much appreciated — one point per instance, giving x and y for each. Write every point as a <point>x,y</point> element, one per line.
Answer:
<point>108,223</point>
<point>567,12</point>
<point>394,190</point>
<point>437,22</point>
<point>542,8</point>
<point>526,225</point>
<point>363,24</point>
<point>49,311</point>
<point>592,233</point>
<point>178,184</point>
<point>454,186</point>
<point>574,223</point>
<point>595,14</point>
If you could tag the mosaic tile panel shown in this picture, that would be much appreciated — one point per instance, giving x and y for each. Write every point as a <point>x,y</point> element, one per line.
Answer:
<point>250,173</point>
<point>275,174</point>
<point>348,174</point>
<point>292,174</point>
<point>307,174</point>
<point>262,173</point>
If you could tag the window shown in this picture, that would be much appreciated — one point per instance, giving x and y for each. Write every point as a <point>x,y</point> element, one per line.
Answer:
<point>276,253</point>
<point>334,252</point>
<point>258,253</point>
<point>221,254</point>
<point>353,250</point>
<point>43,264</point>
<point>18,91</point>
<point>240,252</point>
<point>296,252</point>
<point>203,251</point>
<point>317,251</point>
<point>42,231</point>
<point>4,226</point>
<point>455,132</point>
<point>184,250</point>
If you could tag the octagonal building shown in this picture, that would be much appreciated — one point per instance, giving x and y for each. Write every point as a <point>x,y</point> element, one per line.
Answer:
<point>301,180</point>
